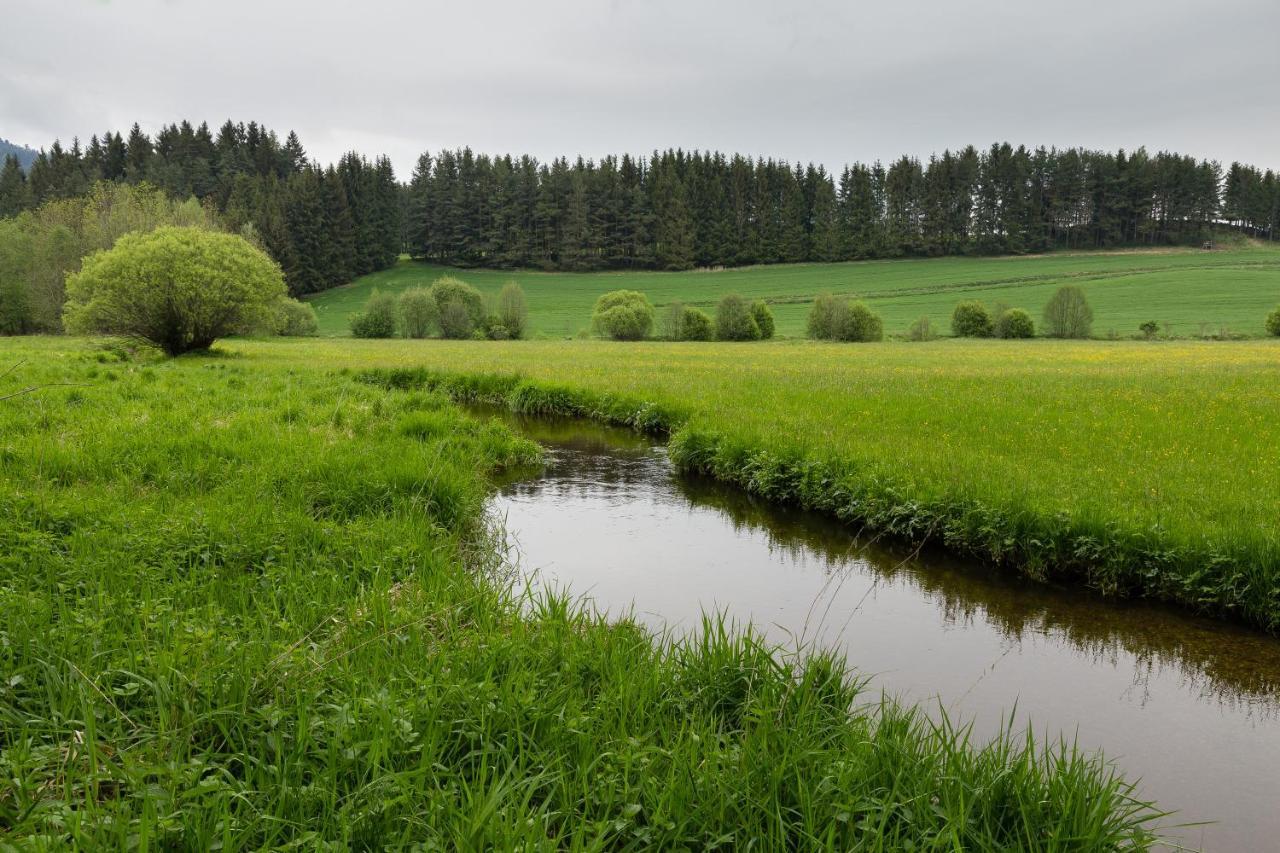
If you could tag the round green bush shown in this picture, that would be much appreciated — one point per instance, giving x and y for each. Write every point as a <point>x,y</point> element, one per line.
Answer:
<point>1273,322</point>
<point>695,325</point>
<point>446,290</point>
<point>826,317</point>
<point>623,315</point>
<point>177,288</point>
<point>835,318</point>
<point>971,320</point>
<point>861,324</point>
<point>418,313</point>
<point>378,319</point>
<point>764,319</point>
<point>1015,323</point>
<point>734,321</point>
<point>296,319</point>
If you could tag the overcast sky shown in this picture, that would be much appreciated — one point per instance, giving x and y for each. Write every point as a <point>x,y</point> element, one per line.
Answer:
<point>810,80</point>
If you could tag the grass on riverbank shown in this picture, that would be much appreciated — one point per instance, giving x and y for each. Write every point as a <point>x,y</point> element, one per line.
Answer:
<point>1135,468</point>
<point>1191,292</point>
<point>249,604</point>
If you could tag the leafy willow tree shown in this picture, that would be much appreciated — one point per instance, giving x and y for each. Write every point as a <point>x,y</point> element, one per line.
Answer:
<point>971,319</point>
<point>1068,314</point>
<point>735,321</point>
<point>623,315</point>
<point>41,247</point>
<point>177,288</point>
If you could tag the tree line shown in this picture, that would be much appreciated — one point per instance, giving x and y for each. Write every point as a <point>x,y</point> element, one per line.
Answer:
<point>676,210</point>
<point>670,210</point>
<point>324,225</point>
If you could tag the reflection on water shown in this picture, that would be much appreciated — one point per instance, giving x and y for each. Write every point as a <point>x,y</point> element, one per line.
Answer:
<point>1190,705</point>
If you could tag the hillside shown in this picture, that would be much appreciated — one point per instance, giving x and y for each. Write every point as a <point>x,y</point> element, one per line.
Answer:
<point>1189,292</point>
<point>25,155</point>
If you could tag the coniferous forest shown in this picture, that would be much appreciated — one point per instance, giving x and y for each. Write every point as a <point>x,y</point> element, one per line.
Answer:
<point>672,210</point>
<point>324,225</point>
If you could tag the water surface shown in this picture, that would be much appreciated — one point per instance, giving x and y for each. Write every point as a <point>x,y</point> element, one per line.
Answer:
<point>1189,705</point>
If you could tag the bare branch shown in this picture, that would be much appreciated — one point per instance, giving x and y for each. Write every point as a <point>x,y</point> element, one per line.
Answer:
<point>35,388</point>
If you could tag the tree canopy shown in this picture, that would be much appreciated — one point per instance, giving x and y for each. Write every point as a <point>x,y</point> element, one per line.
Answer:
<point>178,288</point>
<point>672,209</point>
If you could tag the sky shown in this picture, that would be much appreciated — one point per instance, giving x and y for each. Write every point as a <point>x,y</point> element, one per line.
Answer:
<point>807,80</point>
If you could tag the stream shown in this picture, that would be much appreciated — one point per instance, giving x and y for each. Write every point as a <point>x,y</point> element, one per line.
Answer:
<point>1188,706</point>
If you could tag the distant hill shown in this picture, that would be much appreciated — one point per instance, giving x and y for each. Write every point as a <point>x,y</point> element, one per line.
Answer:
<point>25,155</point>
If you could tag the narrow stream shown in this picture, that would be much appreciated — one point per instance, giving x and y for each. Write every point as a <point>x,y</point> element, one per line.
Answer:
<point>1190,706</point>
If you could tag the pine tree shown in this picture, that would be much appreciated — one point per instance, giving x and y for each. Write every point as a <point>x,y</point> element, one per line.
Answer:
<point>673,243</point>
<point>420,214</point>
<point>138,151</point>
<point>15,194</point>
<point>338,264</point>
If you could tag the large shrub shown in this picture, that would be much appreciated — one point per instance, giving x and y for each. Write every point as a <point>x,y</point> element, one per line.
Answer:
<point>971,320</point>
<point>1273,322</point>
<point>837,319</point>
<point>826,317</point>
<point>512,311</point>
<point>456,321</point>
<point>450,294</point>
<point>378,319</point>
<point>1068,315</point>
<point>296,319</point>
<point>695,325</point>
<point>177,288</point>
<point>861,324</point>
<point>1014,323</point>
<point>418,313</point>
<point>764,319</point>
<point>734,321</point>
<point>623,315</point>
<point>53,239</point>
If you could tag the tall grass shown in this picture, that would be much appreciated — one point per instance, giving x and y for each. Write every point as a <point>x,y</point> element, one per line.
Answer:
<point>251,606</point>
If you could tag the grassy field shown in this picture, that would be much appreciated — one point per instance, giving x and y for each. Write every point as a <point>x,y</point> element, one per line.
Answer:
<point>252,602</point>
<point>1137,468</point>
<point>1190,292</point>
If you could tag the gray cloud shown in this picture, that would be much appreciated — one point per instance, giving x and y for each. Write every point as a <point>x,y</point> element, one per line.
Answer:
<point>808,80</point>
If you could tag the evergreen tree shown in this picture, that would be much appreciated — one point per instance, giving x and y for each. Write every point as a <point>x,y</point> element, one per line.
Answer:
<point>673,243</point>
<point>15,195</point>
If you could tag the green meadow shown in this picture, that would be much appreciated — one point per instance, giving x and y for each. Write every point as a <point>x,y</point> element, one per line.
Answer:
<point>252,601</point>
<point>1136,468</point>
<point>1189,292</point>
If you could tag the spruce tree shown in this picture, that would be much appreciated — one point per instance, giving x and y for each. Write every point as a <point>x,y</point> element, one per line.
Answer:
<point>15,195</point>
<point>673,244</point>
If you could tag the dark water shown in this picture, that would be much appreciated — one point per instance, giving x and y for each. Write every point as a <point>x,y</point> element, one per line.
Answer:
<point>1189,706</point>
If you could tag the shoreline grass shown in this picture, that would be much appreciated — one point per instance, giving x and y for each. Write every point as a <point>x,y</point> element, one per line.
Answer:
<point>251,604</point>
<point>1133,470</point>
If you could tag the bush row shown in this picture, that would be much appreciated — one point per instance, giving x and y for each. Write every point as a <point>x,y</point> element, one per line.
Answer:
<point>627,315</point>
<point>450,308</point>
